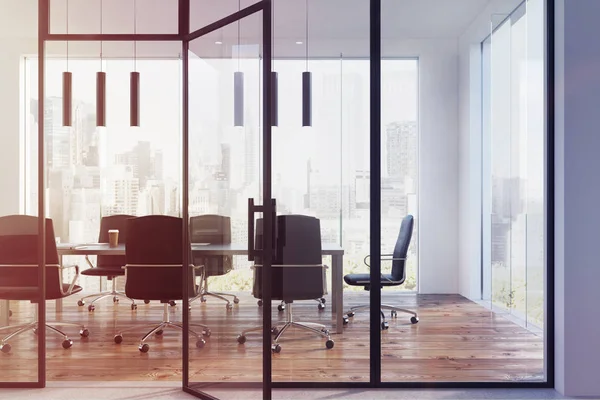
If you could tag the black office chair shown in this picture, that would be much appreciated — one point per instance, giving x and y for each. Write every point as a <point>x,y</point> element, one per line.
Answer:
<point>213,229</point>
<point>109,266</point>
<point>297,272</point>
<point>154,255</point>
<point>396,278</point>
<point>19,273</point>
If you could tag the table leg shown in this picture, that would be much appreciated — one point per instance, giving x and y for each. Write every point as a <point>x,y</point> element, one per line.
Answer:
<point>4,312</point>
<point>59,302</point>
<point>337,295</point>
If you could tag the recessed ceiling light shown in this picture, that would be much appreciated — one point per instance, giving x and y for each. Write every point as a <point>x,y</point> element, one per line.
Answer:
<point>218,42</point>
<point>298,42</point>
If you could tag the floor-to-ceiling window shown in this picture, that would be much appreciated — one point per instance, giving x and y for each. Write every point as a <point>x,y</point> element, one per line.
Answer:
<point>513,165</point>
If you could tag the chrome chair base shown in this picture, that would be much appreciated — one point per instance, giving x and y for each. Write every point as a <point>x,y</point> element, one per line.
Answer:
<point>384,325</point>
<point>5,347</point>
<point>204,292</point>
<point>102,295</point>
<point>312,327</point>
<point>158,330</point>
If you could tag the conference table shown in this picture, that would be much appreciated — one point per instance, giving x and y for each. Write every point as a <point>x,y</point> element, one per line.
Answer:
<point>234,249</point>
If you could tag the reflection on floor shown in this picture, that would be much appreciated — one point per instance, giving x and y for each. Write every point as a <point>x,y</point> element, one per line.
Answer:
<point>455,340</point>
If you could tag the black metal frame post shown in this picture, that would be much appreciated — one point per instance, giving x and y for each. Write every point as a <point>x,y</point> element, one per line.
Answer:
<point>375,192</point>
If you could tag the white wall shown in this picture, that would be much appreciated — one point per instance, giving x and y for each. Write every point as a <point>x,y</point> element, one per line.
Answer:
<point>11,97</point>
<point>577,196</point>
<point>469,147</point>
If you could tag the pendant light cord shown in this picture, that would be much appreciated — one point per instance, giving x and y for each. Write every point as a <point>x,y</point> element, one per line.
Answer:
<point>306,35</point>
<point>101,42</point>
<point>134,32</point>
<point>238,26</point>
<point>67,34</point>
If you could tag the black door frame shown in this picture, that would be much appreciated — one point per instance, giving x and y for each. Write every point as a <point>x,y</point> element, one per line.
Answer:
<point>268,209</point>
<point>184,35</point>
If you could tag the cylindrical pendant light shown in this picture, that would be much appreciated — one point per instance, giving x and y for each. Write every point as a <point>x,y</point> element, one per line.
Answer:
<point>238,98</point>
<point>306,85</point>
<point>67,86</point>
<point>101,86</point>
<point>306,99</point>
<point>238,85</point>
<point>134,81</point>
<point>274,91</point>
<point>100,98</point>
<point>134,93</point>
<point>67,98</point>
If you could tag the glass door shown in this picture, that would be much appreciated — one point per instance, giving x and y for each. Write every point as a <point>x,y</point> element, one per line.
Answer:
<point>226,181</point>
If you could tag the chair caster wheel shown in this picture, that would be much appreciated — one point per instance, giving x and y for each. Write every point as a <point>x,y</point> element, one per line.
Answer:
<point>393,314</point>
<point>67,343</point>
<point>276,348</point>
<point>259,303</point>
<point>321,306</point>
<point>172,303</point>
<point>118,339</point>
<point>200,343</point>
<point>281,307</point>
<point>207,333</point>
<point>236,300</point>
<point>414,320</point>
<point>91,308</point>
<point>202,299</point>
<point>134,307</point>
<point>229,306</point>
<point>241,339</point>
<point>384,326</point>
<point>350,314</point>
<point>159,332</point>
<point>144,347</point>
<point>146,301</point>
<point>5,348</point>
<point>84,332</point>
<point>345,320</point>
<point>323,300</point>
<point>81,303</point>
<point>115,299</point>
<point>274,330</point>
<point>329,344</point>
<point>325,331</point>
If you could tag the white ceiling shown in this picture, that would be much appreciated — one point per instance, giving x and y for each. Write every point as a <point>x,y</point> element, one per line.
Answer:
<point>334,25</point>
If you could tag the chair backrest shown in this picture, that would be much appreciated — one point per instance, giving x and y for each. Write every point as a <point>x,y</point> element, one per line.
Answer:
<point>213,229</point>
<point>19,248</point>
<point>401,248</point>
<point>119,222</point>
<point>152,241</point>
<point>298,243</point>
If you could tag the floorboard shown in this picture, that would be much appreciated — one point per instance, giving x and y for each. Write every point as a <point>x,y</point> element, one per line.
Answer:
<point>455,340</point>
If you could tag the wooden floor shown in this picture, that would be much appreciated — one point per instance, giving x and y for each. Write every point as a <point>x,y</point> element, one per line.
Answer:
<point>455,340</point>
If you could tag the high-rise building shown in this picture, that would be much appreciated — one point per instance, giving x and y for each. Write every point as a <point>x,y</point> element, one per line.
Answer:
<point>401,151</point>
<point>122,191</point>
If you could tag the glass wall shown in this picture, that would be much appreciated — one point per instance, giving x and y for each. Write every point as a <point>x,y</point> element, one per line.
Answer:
<point>513,178</point>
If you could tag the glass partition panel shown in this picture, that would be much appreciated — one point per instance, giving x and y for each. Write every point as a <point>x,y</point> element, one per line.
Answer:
<point>94,172</point>
<point>224,167</point>
<point>19,235</point>
<point>513,183</point>
<point>321,184</point>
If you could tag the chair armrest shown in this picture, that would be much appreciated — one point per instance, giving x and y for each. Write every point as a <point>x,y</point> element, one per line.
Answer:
<point>384,257</point>
<point>294,265</point>
<point>61,268</point>
<point>87,260</point>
